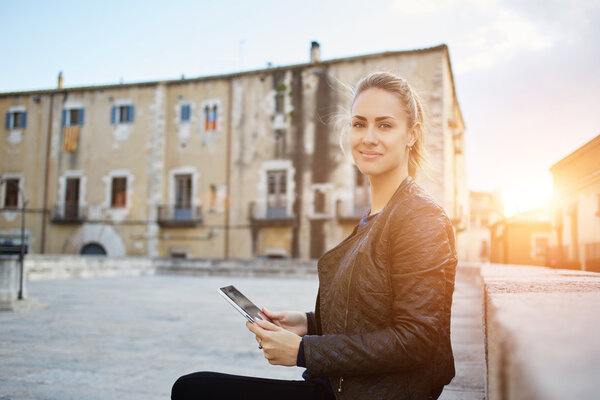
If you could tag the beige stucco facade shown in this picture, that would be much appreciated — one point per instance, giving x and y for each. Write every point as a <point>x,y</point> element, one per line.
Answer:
<point>576,209</point>
<point>238,165</point>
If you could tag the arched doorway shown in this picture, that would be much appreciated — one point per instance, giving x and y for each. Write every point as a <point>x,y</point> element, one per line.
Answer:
<point>93,249</point>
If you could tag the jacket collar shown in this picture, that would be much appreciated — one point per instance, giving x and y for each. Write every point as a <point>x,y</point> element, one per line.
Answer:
<point>403,185</point>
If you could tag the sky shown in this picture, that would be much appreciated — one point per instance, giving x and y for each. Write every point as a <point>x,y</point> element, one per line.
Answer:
<point>526,72</point>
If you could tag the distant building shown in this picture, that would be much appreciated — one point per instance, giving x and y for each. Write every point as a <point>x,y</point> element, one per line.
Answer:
<point>576,209</point>
<point>236,165</point>
<point>522,239</point>
<point>485,210</point>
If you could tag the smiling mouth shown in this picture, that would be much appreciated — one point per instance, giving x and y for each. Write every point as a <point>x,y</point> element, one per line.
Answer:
<point>369,154</point>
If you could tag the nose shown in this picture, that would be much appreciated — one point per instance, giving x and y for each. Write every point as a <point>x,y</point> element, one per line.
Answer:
<point>370,138</point>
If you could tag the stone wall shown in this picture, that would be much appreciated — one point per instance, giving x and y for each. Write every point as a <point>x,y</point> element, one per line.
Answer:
<point>541,329</point>
<point>40,267</point>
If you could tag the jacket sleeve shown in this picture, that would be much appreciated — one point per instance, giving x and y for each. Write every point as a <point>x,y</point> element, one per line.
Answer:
<point>422,253</point>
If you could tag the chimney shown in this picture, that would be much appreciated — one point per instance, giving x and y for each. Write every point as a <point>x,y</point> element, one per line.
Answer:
<point>60,80</point>
<point>315,52</point>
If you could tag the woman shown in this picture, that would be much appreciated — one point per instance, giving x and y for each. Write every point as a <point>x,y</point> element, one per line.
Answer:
<point>381,328</point>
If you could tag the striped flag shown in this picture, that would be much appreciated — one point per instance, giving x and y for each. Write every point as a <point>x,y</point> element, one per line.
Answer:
<point>70,135</point>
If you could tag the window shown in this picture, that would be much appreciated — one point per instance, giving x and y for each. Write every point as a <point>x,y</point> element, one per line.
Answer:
<point>276,193</point>
<point>279,102</point>
<point>118,197</point>
<point>540,246</point>
<point>210,117</point>
<point>183,197</point>
<point>16,120</point>
<point>71,211</point>
<point>280,144</point>
<point>72,117</point>
<point>11,193</point>
<point>484,220</point>
<point>183,191</point>
<point>185,112</point>
<point>320,202</point>
<point>122,114</point>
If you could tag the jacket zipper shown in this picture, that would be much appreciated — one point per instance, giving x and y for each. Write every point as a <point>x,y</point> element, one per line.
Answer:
<point>346,316</point>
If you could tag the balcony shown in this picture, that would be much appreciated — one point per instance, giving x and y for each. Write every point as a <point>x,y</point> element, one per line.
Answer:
<point>173,216</point>
<point>66,214</point>
<point>348,212</point>
<point>270,216</point>
<point>11,244</point>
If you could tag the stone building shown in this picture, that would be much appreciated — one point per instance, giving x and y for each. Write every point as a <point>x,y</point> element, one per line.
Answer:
<point>576,209</point>
<point>486,208</point>
<point>522,238</point>
<point>238,165</point>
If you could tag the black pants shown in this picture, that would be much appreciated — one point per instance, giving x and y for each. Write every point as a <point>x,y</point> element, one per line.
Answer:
<point>215,386</point>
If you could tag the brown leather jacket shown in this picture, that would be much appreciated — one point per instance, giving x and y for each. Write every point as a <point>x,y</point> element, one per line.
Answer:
<point>383,310</point>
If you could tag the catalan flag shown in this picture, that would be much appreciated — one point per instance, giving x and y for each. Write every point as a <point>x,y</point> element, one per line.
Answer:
<point>70,135</point>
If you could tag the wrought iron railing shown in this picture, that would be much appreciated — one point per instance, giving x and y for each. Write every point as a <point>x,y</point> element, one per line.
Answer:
<point>269,215</point>
<point>73,214</point>
<point>179,216</point>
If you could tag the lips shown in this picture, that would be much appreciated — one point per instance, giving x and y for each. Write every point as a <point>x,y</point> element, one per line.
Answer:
<point>369,154</point>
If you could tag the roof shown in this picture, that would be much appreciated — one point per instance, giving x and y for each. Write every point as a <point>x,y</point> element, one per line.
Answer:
<point>442,47</point>
<point>587,146</point>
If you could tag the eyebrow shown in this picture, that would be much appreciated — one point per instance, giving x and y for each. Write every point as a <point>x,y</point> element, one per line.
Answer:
<point>376,119</point>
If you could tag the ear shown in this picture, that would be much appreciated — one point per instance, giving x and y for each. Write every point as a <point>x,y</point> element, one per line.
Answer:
<point>414,133</point>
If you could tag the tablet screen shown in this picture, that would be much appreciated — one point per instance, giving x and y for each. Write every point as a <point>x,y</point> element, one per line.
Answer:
<point>241,301</point>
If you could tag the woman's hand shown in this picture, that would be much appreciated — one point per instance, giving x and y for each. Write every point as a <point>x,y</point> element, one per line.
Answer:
<point>279,346</point>
<point>293,321</point>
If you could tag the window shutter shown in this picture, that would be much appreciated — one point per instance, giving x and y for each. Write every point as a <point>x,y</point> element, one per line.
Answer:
<point>24,124</point>
<point>113,115</point>
<point>64,118</point>
<point>131,111</point>
<point>80,122</point>
<point>7,121</point>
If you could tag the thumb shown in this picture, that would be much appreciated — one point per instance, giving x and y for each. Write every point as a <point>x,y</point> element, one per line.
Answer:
<point>272,314</point>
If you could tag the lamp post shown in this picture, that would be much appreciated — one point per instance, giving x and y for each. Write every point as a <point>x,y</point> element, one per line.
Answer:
<point>22,253</point>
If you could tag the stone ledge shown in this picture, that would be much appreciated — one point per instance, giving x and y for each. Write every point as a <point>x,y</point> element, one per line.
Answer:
<point>541,328</point>
<point>42,267</point>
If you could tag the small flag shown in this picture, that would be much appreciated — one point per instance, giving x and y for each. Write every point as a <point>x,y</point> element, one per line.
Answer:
<point>70,135</point>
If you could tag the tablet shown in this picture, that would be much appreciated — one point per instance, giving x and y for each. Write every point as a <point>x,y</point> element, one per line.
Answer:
<point>240,302</point>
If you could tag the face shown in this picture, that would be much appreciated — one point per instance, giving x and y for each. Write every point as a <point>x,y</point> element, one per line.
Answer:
<point>379,135</point>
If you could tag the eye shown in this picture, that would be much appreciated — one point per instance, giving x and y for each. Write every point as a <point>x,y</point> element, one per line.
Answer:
<point>358,125</point>
<point>384,125</point>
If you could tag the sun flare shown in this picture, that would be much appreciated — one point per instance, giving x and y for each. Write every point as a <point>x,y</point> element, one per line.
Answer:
<point>527,195</point>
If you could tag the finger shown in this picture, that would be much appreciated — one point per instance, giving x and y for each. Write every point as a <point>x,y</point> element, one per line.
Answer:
<point>265,317</point>
<point>272,314</point>
<point>266,325</point>
<point>254,328</point>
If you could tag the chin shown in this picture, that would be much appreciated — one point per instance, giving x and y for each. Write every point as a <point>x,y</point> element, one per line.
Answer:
<point>367,169</point>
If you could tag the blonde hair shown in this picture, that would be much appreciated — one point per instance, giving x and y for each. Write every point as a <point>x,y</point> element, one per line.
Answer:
<point>418,158</point>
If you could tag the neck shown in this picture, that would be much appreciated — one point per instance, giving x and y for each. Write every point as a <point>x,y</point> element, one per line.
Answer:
<point>383,187</point>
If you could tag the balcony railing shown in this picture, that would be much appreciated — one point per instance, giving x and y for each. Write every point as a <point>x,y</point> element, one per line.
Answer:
<point>12,245</point>
<point>275,216</point>
<point>179,216</point>
<point>67,214</point>
<point>350,212</point>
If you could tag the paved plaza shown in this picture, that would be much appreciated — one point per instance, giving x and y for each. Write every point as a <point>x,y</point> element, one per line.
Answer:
<point>131,337</point>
